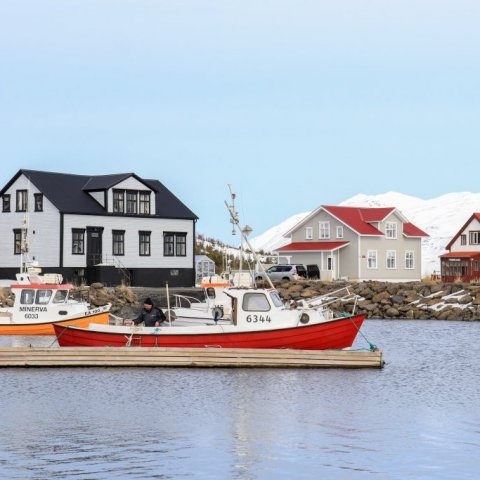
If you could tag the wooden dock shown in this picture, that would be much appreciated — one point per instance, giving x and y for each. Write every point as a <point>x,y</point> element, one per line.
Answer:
<point>185,357</point>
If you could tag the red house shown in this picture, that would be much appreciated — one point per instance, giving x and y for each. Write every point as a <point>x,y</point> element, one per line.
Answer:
<point>462,261</point>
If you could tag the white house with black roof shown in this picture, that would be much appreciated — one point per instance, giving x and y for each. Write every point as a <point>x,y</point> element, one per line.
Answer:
<point>106,228</point>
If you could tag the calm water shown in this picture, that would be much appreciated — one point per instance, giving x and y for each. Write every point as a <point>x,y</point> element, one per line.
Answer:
<point>418,418</point>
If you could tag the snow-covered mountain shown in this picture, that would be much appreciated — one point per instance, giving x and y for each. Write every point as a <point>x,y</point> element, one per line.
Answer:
<point>440,217</point>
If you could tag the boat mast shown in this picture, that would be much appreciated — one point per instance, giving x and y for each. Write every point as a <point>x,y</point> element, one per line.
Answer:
<point>235,221</point>
<point>24,258</point>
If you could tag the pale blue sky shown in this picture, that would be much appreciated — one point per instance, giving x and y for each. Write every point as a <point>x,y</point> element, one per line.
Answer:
<point>295,103</point>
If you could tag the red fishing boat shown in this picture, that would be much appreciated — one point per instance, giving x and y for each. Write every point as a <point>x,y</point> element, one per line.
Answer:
<point>260,319</point>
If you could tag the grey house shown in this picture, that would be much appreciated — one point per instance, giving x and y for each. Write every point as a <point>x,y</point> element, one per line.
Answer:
<point>357,243</point>
<point>109,228</point>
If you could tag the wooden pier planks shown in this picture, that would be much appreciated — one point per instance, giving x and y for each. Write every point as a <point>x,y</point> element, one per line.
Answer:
<point>185,357</point>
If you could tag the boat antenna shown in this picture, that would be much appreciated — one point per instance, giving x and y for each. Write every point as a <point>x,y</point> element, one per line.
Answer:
<point>235,221</point>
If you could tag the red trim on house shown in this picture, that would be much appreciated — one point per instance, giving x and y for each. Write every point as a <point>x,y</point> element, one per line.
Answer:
<point>460,255</point>
<point>452,241</point>
<point>304,246</point>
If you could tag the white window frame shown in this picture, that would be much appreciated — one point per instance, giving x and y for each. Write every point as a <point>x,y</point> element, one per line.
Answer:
<point>391,255</point>
<point>323,230</point>
<point>409,259</point>
<point>391,230</point>
<point>339,231</point>
<point>372,259</point>
<point>309,233</point>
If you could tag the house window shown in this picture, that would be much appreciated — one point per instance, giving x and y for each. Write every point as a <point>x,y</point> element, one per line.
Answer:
<point>340,232</point>
<point>372,259</point>
<point>78,241</point>
<point>181,244</point>
<point>118,242</point>
<point>17,241</point>
<point>391,230</point>
<point>324,230</point>
<point>463,239</point>
<point>474,238</point>
<point>144,243</point>
<point>22,200</point>
<point>38,197</point>
<point>6,203</point>
<point>391,259</point>
<point>409,260</point>
<point>168,244</point>
<point>174,244</point>
<point>308,233</point>
<point>132,202</point>
<point>118,201</point>
<point>144,203</point>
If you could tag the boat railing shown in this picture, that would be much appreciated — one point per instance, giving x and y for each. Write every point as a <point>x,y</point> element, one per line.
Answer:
<point>323,301</point>
<point>185,301</point>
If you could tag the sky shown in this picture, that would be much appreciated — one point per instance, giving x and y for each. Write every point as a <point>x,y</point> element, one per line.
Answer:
<point>294,103</point>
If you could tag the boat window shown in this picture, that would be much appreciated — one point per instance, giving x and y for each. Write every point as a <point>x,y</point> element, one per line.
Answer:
<point>43,297</point>
<point>255,302</point>
<point>27,297</point>
<point>60,296</point>
<point>277,301</point>
<point>211,292</point>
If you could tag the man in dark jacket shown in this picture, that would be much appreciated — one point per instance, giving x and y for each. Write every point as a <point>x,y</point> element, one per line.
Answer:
<point>151,316</point>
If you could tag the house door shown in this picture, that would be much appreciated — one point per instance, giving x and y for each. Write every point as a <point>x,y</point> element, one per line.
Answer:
<point>94,246</point>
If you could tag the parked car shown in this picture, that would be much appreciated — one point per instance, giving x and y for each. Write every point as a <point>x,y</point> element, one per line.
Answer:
<point>283,272</point>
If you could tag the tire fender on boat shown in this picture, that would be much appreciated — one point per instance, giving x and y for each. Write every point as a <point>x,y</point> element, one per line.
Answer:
<point>217,313</point>
<point>304,318</point>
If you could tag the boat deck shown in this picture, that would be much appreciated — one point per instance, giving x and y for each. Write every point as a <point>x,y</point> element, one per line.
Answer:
<point>186,357</point>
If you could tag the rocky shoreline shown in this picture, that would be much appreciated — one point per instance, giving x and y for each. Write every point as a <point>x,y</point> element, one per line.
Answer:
<point>412,300</point>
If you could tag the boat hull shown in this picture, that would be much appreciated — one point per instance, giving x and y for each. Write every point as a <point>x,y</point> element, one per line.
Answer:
<point>46,328</point>
<point>334,334</point>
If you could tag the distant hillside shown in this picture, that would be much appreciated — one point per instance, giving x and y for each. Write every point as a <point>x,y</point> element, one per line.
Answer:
<point>440,217</point>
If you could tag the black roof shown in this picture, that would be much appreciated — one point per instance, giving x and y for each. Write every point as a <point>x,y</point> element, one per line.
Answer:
<point>69,193</point>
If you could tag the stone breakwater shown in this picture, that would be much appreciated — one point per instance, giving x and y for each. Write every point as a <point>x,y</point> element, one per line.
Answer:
<point>413,300</point>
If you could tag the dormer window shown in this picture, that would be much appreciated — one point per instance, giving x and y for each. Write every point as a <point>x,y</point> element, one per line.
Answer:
<point>144,203</point>
<point>118,201</point>
<point>132,202</point>
<point>391,230</point>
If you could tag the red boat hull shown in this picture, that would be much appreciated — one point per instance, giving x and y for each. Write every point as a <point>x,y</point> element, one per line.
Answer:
<point>335,334</point>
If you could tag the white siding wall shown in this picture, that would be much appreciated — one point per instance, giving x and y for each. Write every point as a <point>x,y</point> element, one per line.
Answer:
<point>474,225</point>
<point>99,197</point>
<point>131,183</point>
<point>132,226</point>
<point>44,243</point>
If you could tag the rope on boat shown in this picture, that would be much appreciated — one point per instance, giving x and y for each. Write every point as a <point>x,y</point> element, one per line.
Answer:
<point>372,347</point>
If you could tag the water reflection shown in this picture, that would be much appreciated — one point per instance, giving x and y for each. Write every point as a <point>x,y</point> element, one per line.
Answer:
<point>416,418</point>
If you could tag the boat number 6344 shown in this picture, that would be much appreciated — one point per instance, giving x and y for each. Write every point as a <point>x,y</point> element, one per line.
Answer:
<point>258,318</point>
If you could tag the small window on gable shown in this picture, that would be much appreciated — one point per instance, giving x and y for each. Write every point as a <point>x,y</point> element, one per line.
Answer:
<point>22,200</point>
<point>463,239</point>
<point>339,232</point>
<point>6,203</point>
<point>38,197</point>
<point>308,233</point>
<point>391,230</point>
<point>324,230</point>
